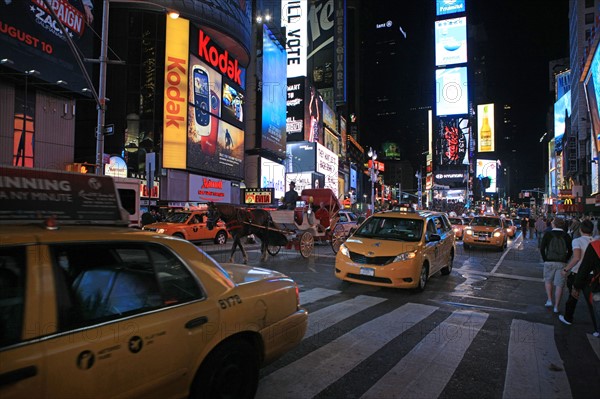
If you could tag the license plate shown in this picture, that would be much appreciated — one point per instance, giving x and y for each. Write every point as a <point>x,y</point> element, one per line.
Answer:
<point>366,271</point>
<point>482,238</point>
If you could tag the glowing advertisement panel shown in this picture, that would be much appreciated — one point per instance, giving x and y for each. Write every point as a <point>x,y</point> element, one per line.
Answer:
<point>327,164</point>
<point>304,180</point>
<point>294,17</point>
<point>486,131</point>
<point>562,112</point>
<point>451,41</point>
<point>592,91</point>
<point>487,168</point>
<point>452,144</point>
<point>205,189</point>
<point>445,7</point>
<point>274,94</point>
<point>451,89</point>
<point>272,175</point>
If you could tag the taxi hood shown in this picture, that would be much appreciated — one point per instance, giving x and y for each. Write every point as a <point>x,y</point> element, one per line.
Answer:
<point>241,274</point>
<point>379,247</point>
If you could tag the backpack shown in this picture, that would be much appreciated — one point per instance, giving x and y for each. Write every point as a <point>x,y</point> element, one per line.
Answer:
<point>595,281</point>
<point>556,251</point>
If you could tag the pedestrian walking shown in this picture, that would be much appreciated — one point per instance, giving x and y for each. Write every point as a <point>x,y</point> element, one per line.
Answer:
<point>556,250</point>
<point>540,226</point>
<point>587,280</point>
<point>575,228</point>
<point>580,245</point>
<point>531,223</point>
<point>524,226</point>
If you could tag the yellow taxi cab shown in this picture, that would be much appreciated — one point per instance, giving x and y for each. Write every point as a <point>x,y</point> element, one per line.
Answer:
<point>90,309</point>
<point>458,225</point>
<point>400,249</point>
<point>486,231</point>
<point>190,225</point>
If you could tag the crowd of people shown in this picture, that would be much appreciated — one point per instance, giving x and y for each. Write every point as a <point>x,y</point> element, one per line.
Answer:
<point>570,250</point>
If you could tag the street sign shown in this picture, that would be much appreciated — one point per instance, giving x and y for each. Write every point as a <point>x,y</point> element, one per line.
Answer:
<point>109,130</point>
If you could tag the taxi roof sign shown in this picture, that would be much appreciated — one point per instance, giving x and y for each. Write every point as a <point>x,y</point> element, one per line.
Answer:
<point>28,195</point>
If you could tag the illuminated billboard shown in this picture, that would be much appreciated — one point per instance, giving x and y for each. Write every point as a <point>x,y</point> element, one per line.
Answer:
<point>295,109</point>
<point>274,94</point>
<point>592,92</point>
<point>452,144</point>
<point>305,180</point>
<point>31,40</point>
<point>445,7</point>
<point>315,112</point>
<point>562,117</point>
<point>320,35</point>
<point>487,168</point>
<point>327,164</point>
<point>300,157</point>
<point>451,87</point>
<point>208,189</point>
<point>486,131</point>
<point>294,17</point>
<point>451,41</point>
<point>272,175</point>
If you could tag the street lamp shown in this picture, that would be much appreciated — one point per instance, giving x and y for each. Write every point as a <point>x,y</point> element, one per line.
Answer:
<point>373,175</point>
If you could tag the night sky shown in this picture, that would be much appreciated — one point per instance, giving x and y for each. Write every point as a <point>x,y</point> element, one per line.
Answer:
<point>522,37</point>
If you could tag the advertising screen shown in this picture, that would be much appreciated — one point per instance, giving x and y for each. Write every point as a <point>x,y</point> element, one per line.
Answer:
<point>301,157</point>
<point>31,39</point>
<point>487,168</point>
<point>486,128</point>
<point>295,109</point>
<point>294,17</point>
<point>332,142</point>
<point>451,88</point>
<point>452,144</point>
<point>562,116</point>
<point>215,140</point>
<point>315,112</point>
<point>344,134</point>
<point>303,180</point>
<point>454,177</point>
<point>353,178</point>
<point>327,164</point>
<point>272,175</point>
<point>445,7</point>
<point>451,41</point>
<point>205,189</point>
<point>320,57</point>
<point>274,93</point>
<point>328,116</point>
<point>592,91</point>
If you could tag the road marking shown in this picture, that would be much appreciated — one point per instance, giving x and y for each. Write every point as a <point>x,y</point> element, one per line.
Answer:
<point>482,307</point>
<point>316,294</point>
<point>308,376</point>
<point>325,318</point>
<point>425,370</point>
<point>504,254</point>
<point>534,369</point>
<point>501,275</point>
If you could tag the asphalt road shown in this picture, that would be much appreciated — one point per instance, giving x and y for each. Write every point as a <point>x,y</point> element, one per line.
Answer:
<point>481,332</point>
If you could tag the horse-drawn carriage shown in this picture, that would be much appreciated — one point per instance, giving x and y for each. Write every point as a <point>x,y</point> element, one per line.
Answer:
<point>304,225</point>
<point>298,228</point>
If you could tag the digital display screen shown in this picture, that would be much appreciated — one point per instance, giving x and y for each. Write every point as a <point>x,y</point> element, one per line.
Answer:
<point>274,93</point>
<point>486,131</point>
<point>562,112</point>
<point>451,88</point>
<point>452,144</point>
<point>272,175</point>
<point>451,41</point>
<point>301,157</point>
<point>233,104</point>
<point>445,7</point>
<point>487,168</point>
<point>295,109</point>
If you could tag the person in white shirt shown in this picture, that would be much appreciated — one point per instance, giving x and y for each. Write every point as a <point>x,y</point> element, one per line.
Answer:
<point>580,244</point>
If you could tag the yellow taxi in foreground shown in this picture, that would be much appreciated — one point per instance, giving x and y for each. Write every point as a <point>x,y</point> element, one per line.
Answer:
<point>486,231</point>
<point>190,225</point>
<point>105,311</point>
<point>397,249</point>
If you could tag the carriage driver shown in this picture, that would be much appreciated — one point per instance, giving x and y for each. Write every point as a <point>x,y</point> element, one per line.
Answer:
<point>291,196</point>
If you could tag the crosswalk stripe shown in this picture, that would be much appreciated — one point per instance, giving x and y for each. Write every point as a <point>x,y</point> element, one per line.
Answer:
<point>316,294</point>
<point>325,318</point>
<point>309,375</point>
<point>534,368</point>
<point>437,356</point>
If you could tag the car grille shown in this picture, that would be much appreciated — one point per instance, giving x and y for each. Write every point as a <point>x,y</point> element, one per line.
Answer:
<point>383,280</point>
<point>368,260</point>
<point>482,234</point>
<point>148,229</point>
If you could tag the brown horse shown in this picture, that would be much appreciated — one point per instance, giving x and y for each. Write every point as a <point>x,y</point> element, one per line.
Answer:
<point>241,222</point>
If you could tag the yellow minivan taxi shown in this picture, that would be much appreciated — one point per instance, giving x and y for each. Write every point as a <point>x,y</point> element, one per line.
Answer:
<point>89,309</point>
<point>486,231</point>
<point>399,249</point>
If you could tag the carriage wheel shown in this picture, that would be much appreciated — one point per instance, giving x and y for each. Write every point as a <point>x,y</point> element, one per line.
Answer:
<point>273,249</point>
<point>307,243</point>
<point>337,237</point>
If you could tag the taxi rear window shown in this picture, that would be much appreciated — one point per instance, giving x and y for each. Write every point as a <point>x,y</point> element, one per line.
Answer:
<point>103,281</point>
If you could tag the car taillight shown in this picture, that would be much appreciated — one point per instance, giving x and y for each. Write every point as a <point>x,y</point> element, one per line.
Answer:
<point>297,296</point>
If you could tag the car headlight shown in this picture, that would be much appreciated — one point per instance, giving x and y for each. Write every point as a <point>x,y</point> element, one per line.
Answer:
<point>498,234</point>
<point>160,231</point>
<point>456,229</point>
<point>469,232</point>
<point>405,256</point>
<point>344,250</point>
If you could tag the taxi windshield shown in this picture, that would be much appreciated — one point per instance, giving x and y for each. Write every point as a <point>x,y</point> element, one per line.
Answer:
<point>391,229</point>
<point>483,221</point>
<point>455,221</point>
<point>177,217</point>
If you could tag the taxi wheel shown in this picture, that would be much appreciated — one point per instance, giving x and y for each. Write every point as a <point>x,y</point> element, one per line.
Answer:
<point>229,371</point>
<point>221,238</point>
<point>446,270</point>
<point>179,235</point>
<point>423,277</point>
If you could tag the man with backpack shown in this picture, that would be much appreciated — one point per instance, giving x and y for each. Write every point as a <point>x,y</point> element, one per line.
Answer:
<point>588,280</point>
<point>556,250</point>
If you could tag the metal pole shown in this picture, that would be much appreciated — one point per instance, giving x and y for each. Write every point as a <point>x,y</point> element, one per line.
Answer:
<point>102,92</point>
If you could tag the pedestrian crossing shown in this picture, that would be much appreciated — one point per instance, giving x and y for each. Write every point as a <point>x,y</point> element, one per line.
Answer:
<point>438,342</point>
